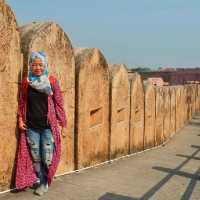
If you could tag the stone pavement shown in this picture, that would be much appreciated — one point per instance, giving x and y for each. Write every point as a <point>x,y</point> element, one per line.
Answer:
<point>170,172</point>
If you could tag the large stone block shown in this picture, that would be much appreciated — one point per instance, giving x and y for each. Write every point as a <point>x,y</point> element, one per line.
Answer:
<point>51,39</point>
<point>150,114</point>
<point>92,108</point>
<point>159,139</point>
<point>184,105</point>
<point>179,107</point>
<point>136,113</point>
<point>10,62</point>
<point>189,101</point>
<point>172,111</point>
<point>178,113</point>
<point>198,97</point>
<point>119,111</point>
<point>166,113</point>
<point>193,99</point>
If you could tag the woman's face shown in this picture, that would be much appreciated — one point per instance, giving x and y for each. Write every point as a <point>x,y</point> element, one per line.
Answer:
<point>37,67</point>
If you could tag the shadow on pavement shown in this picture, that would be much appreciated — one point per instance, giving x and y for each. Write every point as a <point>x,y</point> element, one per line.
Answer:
<point>170,173</point>
<point>112,196</point>
<point>196,117</point>
<point>194,123</point>
<point>177,171</point>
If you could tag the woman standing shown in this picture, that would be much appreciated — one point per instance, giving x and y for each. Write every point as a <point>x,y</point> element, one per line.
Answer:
<point>40,114</point>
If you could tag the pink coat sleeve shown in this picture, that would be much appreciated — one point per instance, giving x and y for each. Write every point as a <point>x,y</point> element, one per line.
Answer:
<point>59,104</point>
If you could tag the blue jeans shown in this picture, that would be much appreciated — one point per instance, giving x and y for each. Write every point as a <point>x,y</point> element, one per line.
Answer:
<point>41,146</point>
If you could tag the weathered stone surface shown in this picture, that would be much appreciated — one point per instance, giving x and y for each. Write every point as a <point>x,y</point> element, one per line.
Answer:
<point>189,101</point>
<point>51,39</point>
<point>193,99</point>
<point>172,111</point>
<point>10,62</point>
<point>178,100</point>
<point>136,114</point>
<point>131,76</point>
<point>179,107</point>
<point>120,111</point>
<point>159,116</point>
<point>184,105</point>
<point>150,114</point>
<point>166,113</point>
<point>92,107</point>
<point>195,96</point>
<point>198,97</point>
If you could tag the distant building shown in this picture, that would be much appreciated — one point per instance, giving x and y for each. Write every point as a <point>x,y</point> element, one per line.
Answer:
<point>178,76</point>
<point>167,69</point>
<point>156,81</point>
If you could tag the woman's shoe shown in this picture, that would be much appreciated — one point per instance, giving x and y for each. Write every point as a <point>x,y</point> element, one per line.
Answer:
<point>46,187</point>
<point>43,188</point>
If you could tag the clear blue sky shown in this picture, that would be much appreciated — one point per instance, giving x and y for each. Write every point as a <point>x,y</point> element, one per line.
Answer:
<point>142,32</point>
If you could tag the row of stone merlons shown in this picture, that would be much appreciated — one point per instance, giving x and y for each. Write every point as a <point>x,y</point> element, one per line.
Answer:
<point>110,113</point>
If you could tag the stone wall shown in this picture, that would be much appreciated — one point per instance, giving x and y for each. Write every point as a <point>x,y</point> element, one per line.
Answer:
<point>92,107</point>
<point>159,138</point>
<point>110,113</point>
<point>166,113</point>
<point>150,116</point>
<point>136,114</point>
<point>10,63</point>
<point>178,108</point>
<point>119,111</point>
<point>172,111</point>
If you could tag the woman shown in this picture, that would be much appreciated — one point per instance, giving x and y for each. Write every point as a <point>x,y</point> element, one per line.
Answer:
<point>40,114</point>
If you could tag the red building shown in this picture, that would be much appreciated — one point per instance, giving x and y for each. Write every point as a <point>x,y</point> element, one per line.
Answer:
<point>178,76</point>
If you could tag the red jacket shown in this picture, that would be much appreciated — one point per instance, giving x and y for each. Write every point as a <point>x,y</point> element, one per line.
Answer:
<point>25,174</point>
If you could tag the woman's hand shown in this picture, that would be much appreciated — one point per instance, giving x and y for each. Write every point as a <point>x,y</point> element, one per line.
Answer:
<point>22,125</point>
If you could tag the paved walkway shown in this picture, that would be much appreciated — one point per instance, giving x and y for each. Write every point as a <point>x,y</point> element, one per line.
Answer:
<point>170,172</point>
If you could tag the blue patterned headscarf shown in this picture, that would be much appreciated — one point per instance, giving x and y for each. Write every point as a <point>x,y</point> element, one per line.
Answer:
<point>40,83</point>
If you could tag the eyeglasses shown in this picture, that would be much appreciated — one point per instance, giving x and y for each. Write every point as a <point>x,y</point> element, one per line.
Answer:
<point>37,65</point>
